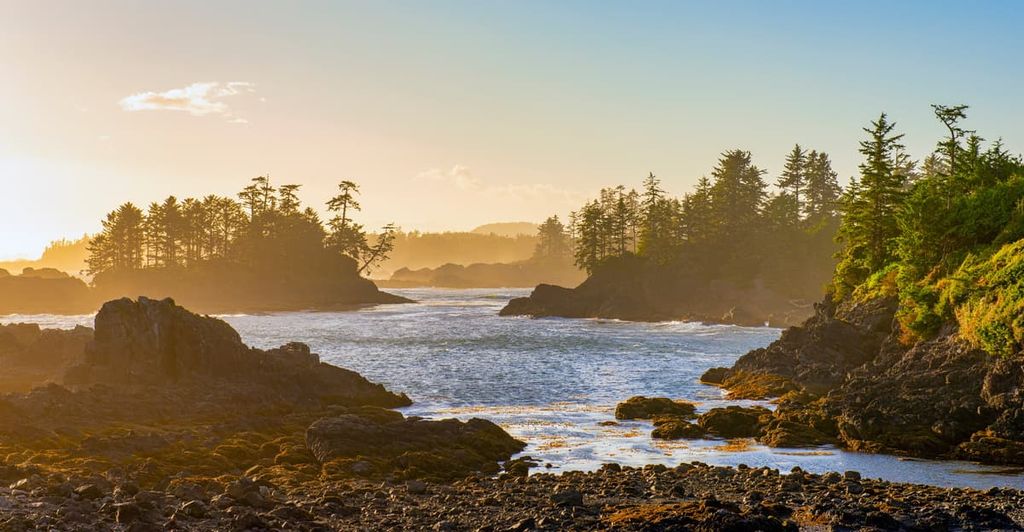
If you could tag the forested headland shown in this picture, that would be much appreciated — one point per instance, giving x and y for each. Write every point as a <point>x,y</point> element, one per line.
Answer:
<point>917,347</point>
<point>261,251</point>
<point>737,248</point>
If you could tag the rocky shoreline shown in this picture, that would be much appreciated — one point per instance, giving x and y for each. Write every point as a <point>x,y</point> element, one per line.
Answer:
<point>166,420</point>
<point>845,377</point>
<point>686,497</point>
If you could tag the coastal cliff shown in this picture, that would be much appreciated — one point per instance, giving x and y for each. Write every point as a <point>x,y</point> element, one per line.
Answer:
<point>845,376</point>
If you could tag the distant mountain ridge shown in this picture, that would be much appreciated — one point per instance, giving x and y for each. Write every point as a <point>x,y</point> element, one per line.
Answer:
<point>509,229</point>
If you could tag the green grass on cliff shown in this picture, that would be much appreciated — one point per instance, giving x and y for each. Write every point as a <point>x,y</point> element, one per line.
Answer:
<point>985,295</point>
<point>989,300</point>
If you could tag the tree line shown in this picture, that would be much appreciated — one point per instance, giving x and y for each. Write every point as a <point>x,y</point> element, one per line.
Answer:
<point>267,226</point>
<point>729,218</point>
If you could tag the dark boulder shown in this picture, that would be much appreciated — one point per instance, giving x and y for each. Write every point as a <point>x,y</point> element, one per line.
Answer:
<point>547,300</point>
<point>734,421</point>
<point>411,447</point>
<point>640,407</point>
<point>715,376</point>
<point>677,429</point>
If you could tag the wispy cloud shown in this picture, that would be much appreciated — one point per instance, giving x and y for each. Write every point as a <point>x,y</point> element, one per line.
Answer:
<point>459,176</point>
<point>198,99</point>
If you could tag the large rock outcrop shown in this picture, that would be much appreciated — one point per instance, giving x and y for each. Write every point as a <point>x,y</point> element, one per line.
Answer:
<point>149,342</point>
<point>845,376</point>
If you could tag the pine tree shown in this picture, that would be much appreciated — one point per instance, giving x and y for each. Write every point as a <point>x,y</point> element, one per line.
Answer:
<point>697,219</point>
<point>822,190</point>
<point>794,178</point>
<point>869,227</point>
<point>658,223</point>
<point>118,247</point>
<point>737,196</point>
<point>552,241</point>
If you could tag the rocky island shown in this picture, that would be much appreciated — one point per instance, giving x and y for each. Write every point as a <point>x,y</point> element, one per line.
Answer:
<point>630,288</point>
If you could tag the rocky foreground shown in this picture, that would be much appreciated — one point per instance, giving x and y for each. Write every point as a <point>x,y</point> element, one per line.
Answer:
<point>166,420</point>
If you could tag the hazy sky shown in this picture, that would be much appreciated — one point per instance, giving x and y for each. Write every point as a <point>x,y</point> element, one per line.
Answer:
<point>453,114</point>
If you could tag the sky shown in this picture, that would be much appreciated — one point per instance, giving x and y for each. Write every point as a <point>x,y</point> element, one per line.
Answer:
<point>451,114</point>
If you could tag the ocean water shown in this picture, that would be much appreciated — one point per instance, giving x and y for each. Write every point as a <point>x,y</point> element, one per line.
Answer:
<point>552,382</point>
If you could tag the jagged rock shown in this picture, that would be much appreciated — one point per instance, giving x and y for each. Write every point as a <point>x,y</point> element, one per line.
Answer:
<point>640,407</point>
<point>412,447</point>
<point>818,354</point>
<point>785,433</point>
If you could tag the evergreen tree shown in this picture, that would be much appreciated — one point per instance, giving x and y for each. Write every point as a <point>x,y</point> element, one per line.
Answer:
<point>869,227</point>
<point>552,241</point>
<point>657,221</point>
<point>697,217</point>
<point>345,236</point>
<point>737,196</point>
<point>822,189</point>
<point>794,178</point>
<point>119,245</point>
